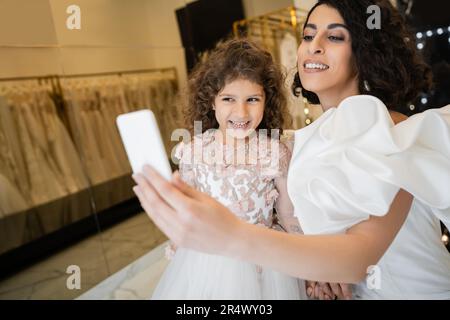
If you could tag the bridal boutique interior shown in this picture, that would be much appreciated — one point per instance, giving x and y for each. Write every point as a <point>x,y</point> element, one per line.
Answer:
<point>66,72</point>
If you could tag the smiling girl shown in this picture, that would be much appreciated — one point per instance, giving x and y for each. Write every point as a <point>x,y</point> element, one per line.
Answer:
<point>235,94</point>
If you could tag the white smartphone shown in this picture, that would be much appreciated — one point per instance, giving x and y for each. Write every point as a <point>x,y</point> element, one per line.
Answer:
<point>143,143</point>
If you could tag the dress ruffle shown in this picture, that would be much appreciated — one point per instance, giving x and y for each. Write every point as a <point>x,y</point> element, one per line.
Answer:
<point>351,162</point>
<point>195,275</point>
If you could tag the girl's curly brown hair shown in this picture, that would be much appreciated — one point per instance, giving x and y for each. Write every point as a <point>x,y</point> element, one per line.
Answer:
<point>386,58</point>
<point>231,60</point>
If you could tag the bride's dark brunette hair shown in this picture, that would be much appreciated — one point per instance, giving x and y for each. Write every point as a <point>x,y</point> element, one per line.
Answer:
<point>386,58</point>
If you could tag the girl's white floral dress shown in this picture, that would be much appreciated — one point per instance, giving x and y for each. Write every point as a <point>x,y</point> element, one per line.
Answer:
<point>247,188</point>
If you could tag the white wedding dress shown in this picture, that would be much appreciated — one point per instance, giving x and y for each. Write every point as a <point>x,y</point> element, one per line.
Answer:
<point>350,163</point>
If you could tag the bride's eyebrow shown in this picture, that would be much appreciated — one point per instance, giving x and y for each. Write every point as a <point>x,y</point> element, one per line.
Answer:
<point>337,25</point>
<point>330,26</point>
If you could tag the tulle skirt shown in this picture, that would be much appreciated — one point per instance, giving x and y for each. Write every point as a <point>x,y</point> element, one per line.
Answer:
<point>199,276</point>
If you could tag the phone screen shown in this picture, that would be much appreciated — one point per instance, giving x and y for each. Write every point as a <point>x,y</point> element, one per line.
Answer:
<point>143,143</point>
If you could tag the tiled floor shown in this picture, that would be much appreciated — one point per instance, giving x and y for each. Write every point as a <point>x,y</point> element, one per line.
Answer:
<point>98,257</point>
<point>136,281</point>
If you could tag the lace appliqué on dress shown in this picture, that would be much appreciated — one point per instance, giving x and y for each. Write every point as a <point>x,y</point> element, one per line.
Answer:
<point>246,188</point>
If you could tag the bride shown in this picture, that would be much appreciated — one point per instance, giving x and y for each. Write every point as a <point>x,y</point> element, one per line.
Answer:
<point>369,185</point>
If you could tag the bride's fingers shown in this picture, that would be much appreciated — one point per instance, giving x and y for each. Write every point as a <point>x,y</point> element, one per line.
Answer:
<point>317,291</point>
<point>155,207</point>
<point>326,289</point>
<point>336,288</point>
<point>310,287</point>
<point>184,187</point>
<point>346,290</point>
<point>148,192</point>
<point>156,218</point>
<point>169,193</point>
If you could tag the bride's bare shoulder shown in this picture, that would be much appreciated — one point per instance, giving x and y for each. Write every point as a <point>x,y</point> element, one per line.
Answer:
<point>397,117</point>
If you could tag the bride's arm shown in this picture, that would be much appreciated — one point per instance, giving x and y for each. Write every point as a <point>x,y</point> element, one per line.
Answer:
<point>193,219</point>
<point>283,204</point>
<point>285,209</point>
<point>328,258</point>
<point>290,223</point>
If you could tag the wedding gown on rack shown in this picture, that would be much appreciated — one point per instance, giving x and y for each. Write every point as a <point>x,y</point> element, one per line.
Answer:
<point>350,163</point>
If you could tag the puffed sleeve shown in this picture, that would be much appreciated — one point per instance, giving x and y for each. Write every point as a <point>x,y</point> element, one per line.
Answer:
<point>351,162</point>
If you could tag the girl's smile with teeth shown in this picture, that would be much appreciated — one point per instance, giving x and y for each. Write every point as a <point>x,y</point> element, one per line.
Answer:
<point>239,108</point>
<point>238,124</point>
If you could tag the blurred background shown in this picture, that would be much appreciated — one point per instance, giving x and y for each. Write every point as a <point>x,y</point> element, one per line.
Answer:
<point>70,226</point>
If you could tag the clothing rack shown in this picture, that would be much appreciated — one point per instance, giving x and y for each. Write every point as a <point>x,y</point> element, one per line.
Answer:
<point>57,92</point>
<point>269,29</point>
<point>81,155</point>
<point>138,71</point>
<point>55,88</point>
<point>289,18</point>
<point>54,76</point>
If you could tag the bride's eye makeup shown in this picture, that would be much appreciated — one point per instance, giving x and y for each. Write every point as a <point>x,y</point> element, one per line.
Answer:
<point>307,37</point>
<point>337,32</point>
<point>308,32</point>
<point>336,37</point>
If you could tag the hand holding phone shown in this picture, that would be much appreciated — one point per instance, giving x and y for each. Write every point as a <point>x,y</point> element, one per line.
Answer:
<point>143,143</point>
